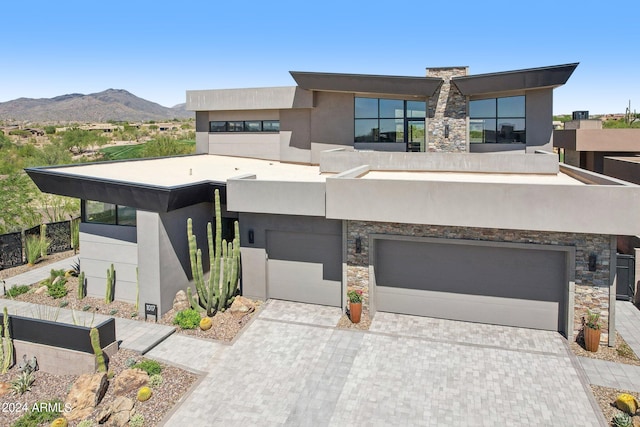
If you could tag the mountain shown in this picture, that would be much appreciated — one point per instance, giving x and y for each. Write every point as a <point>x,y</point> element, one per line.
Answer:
<point>111,104</point>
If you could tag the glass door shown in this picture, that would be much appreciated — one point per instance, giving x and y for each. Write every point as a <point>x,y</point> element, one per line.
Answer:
<point>415,136</point>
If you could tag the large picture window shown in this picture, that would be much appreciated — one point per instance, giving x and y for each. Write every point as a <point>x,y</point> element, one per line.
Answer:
<point>498,120</point>
<point>245,126</point>
<point>107,213</point>
<point>386,120</point>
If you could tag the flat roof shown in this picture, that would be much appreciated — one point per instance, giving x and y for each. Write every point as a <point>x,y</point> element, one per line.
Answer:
<point>172,171</point>
<point>506,178</point>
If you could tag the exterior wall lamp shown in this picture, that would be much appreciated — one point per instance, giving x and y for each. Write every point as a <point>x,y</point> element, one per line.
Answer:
<point>446,130</point>
<point>251,236</point>
<point>358,245</point>
<point>593,261</point>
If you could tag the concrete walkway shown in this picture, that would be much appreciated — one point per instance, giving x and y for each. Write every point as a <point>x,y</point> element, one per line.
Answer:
<point>37,274</point>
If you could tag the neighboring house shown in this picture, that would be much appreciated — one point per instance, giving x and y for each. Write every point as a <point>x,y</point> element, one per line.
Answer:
<point>387,184</point>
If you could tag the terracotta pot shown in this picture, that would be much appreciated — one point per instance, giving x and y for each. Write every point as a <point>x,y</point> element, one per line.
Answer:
<point>355,311</point>
<point>591,338</point>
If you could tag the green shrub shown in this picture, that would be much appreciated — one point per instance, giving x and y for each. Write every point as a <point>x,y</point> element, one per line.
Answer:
<point>35,247</point>
<point>187,319</point>
<point>49,130</point>
<point>22,383</point>
<point>17,290</point>
<point>86,423</point>
<point>151,367</point>
<point>46,412</point>
<point>137,420</point>
<point>57,290</point>
<point>155,380</point>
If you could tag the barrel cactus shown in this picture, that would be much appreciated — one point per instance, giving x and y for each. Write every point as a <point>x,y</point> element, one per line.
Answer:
<point>144,394</point>
<point>205,323</point>
<point>59,422</point>
<point>627,403</point>
<point>622,420</point>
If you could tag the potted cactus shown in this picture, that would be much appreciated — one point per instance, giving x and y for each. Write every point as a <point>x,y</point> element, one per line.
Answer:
<point>591,331</point>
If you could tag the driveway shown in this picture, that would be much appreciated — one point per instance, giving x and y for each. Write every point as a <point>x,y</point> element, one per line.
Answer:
<point>291,367</point>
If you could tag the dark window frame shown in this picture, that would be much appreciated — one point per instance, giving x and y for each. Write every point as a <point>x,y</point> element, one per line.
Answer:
<point>240,126</point>
<point>497,118</point>
<point>376,132</point>
<point>84,219</point>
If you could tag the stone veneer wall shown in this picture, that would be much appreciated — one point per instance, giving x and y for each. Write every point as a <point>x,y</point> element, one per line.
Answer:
<point>591,288</point>
<point>447,106</point>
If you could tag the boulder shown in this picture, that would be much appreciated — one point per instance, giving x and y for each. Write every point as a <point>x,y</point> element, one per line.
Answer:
<point>117,413</point>
<point>181,302</point>
<point>87,391</point>
<point>4,388</point>
<point>129,380</point>
<point>41,290</point>
<point>241,306</point>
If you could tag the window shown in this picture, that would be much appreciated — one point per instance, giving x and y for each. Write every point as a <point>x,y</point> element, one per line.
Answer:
<point>245,126</point>
<point>385,120</point>
<point>498,120</point>
<point>107,213</point>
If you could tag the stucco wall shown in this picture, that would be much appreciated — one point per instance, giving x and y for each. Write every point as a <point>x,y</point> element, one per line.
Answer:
<point>163,250</point>
<point>592,289</point>
<point>103,245</point>
<point>332,118</point>
<point>539,126</point>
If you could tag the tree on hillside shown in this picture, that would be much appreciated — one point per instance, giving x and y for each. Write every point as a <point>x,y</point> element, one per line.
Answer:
<point>16,197</point>
<point>78,140</point>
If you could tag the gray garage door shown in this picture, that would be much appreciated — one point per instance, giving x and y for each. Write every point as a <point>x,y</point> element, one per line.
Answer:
<point>502,285</point>
<point>304,267</point>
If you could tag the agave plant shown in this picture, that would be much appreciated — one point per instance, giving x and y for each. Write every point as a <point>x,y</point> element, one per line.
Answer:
<point>22,383</point>
<point>622,420</point>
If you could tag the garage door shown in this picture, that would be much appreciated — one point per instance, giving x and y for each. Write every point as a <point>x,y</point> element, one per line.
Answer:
<point>304,267</point>
<point>503,284</point>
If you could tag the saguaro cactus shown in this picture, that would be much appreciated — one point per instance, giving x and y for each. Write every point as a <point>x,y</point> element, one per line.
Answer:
<point>7,344</point>
<point>218,291</point>
<point>82,290</point>
<point>111,281</point>
<point>97,350</point>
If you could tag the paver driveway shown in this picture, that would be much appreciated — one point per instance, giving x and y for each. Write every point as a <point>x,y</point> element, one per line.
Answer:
<point>291,367</point>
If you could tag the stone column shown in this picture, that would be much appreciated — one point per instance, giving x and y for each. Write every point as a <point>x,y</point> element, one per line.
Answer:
<point>448,107</point>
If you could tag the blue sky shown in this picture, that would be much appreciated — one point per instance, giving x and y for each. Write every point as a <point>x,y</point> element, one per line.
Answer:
<point>158,50</point>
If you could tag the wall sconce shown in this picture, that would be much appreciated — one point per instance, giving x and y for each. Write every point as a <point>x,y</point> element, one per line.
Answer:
<point>251,236</point>
<point>446,130</point>
<point>358,245</point>
<point>593,261</point>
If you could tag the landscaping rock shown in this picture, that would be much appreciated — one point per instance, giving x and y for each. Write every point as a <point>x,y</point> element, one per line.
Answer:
<point>85,394</point>
<point>181,302</point>
<point>241,306</point>
<point>129,380</point>
<point>118,413</point>
<point>636,421</point>
<point>41,290</point>
<point>4,388</point>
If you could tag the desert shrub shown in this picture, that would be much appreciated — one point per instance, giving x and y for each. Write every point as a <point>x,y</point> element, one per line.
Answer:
<point>22,383</point>
<point>46,413</point>
<point>17,290</point>
<point>35,247</point>
<point>187,319</point>
<point>137,420</point>
<point>49,130</point>
<point>155,380</point>
<point>57,289</point>
<point>151,367</point>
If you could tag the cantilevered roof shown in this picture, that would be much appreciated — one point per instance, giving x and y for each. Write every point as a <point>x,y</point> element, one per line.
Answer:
<point>162,184</point>
<point>532,78</point>
<point>366,83</point>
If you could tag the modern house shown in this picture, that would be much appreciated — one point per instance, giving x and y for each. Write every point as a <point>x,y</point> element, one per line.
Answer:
<point>437,196</point>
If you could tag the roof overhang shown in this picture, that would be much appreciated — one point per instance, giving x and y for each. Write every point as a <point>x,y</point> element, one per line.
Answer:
<point>517,80</point>
<point>140,196</point>
<point>364,83</point>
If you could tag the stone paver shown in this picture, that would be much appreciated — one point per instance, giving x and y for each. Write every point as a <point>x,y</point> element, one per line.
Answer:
<point>311,314</point>
<point>610,374</point>
<point>470,333</point>
<point>291,373</point>
<point>187,352</point>
<point>37,274</point>
<point>628,324</point>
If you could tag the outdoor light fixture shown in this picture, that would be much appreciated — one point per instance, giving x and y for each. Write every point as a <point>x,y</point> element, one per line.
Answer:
<point>593,261</point>
<point>251,236</point>
<point>358,245</point>
<point>446,130</point>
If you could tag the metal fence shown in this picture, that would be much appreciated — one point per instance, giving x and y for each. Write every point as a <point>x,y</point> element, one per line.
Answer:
<point>12,245</point>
